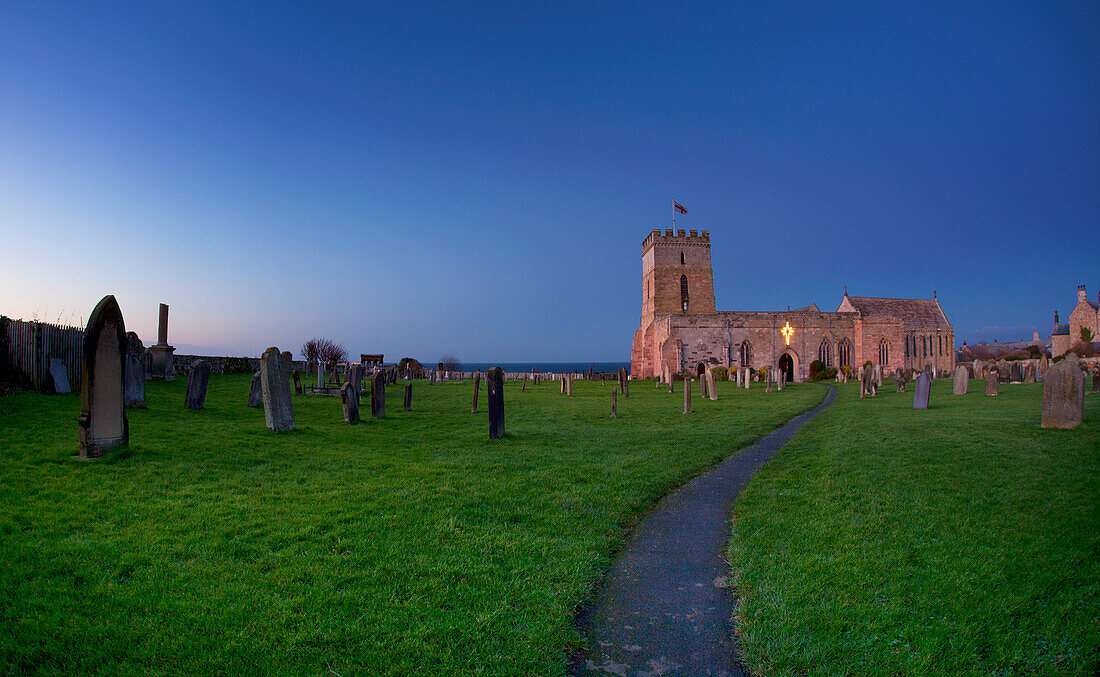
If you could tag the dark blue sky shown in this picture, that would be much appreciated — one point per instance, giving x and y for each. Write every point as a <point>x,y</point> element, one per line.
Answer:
<point>478,180</point>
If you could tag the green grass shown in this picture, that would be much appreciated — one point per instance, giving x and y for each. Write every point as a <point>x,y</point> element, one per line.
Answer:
<point>409,545</point>
<point>962,540</point>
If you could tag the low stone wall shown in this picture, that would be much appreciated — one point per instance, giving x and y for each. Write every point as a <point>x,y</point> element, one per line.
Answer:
<point>219,364</point>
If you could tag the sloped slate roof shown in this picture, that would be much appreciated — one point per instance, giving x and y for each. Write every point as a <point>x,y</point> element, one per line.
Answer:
<point>914,312</point>
<point>1061,330</point>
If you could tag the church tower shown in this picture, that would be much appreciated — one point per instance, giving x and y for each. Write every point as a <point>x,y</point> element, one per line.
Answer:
<point>677,278</point>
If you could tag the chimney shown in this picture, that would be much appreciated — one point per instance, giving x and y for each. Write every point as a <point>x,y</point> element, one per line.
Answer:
<point>1081,295</point>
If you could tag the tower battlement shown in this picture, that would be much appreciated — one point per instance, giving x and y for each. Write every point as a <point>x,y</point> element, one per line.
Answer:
<point>680,237</point>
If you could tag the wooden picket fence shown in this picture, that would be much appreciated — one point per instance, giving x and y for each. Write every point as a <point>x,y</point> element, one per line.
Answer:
<point>31,345</point>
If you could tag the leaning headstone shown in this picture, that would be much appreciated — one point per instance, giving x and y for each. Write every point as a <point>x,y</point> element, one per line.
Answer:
<point>962,380</point>
<point>992,383</point>
<point>275,392</point>
<point>349,397</point>
<point>255,392</point>
<point>523,388</point>
<point>494,383</point>
<point>563,384</point>
<point>378,395</point>
<point>297,382</point>
<point>711,392</point>
<point>197,381</point>
<point>477,391</point>
<point>1064,394</point>
<point>614,402</point>
<point>408,396</point>
<point>102,424</point>
<point>60,376</point>
<point>703,384</point>
<point>687,394</point>
<point>134,366</point>
<point>922,391</point>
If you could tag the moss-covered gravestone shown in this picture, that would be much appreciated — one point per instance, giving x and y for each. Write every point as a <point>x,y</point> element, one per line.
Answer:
<point>962,380</point>
<point>102,425</point>
<point>275,389</point>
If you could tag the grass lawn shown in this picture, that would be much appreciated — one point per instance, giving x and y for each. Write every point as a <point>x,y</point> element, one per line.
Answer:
<point>962,540</point>
<point>409,545</point>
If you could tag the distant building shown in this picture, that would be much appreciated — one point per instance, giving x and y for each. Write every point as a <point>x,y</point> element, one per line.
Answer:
<point>1085,314</point>
<point>681,329</point>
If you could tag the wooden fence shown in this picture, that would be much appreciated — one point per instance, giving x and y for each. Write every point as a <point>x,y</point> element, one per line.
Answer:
<point>31,345</point>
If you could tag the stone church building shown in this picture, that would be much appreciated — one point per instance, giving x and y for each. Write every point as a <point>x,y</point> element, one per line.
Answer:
<point>682,329</point>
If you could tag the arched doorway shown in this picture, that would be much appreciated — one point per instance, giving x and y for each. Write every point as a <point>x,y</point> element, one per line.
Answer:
<point>701,370</point>
<point>786,365</point>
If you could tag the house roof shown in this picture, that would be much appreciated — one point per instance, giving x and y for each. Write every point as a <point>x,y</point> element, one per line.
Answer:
<point>914,312</point>
<point>1061,330</point>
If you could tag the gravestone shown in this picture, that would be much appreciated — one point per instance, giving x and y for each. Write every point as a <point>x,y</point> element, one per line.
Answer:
<point>409,396</point>
<point>614,402</point>
<point>712,393</point>
<point>961,381</point>
<point>162,362</point>
<point>134,368</point>
<point>355,377</point>
<point>60,376</point>
<point>1064,394</point>
<point>1029,373</point>
<point>255,392</point>
<point>563,384</point>
<point>687,394</point>
<point>378,395</point>
<point>1096,382</point>
<point>782,382</point>
<point>102,424</point>
<point>626,383</point>
<point>569,385</point>
<point>992,383</point>
<point>349,397</point>
<point>523,388</point>
<point>900,381</point>
<point>923,391</point>
<point>878,377</point>
<point>1017,374</point>
<point>494,383</point>
<point>320,374</point>
<point>297,382</point>
<point>197,381</point>
<point>477,391</point>
<point>866,382</point>
<point>747,378</point>
<point>703,384</point>
<point>275,392</point>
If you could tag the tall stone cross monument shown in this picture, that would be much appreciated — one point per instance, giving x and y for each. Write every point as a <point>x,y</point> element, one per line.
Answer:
<point>163,365</point>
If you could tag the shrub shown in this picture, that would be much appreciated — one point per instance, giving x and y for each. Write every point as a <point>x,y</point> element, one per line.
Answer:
<point>847,369</point>
<point>720,373</point>
<point>817,368</point>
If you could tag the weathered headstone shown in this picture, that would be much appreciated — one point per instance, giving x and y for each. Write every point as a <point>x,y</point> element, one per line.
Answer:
<point>197,381</point>
<point>1029,373</point>
<point>349,398</point>
<point>703,384</point>
<point>1017,374</point>
<point>563,377</point>
<point>923,391</point>
<point>297,382</point>
<point>712,393</point>
<point>1096,382</point>
<point>134,368</point>
<point>255,392</point>
<point>378,395</point>
<point>477,391</point>
<point>614,402</point>
<point>523,388</point>
<point>878,377</point>
<point>1064,394</point>
<point>900,381</point>
<point>60,376</point>
<point>494,382</point>
<point>992,383</point>
<point>782,379</point>
<point>748,377</point>
<point>355,377</point>
<point>961,381</point>
<point>409,396</point>
<point>320,374</point>
<point>687,394</point>
<point>275,392</point>
<point>102,424</point>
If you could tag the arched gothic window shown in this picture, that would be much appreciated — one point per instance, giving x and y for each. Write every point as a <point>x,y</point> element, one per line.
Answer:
<point>684,293</point>
<point>940,337</point>
<point>825,352</point>
<point>883,352</point>
<point>745,353</point>
<point>681,258</point>
<point>844,352</point>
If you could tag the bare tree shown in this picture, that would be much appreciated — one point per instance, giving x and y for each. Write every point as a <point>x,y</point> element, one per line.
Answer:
<point>324,350</point>
<point>449,363</point>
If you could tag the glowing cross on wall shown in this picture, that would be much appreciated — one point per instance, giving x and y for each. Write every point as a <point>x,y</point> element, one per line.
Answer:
<point>788,332</point>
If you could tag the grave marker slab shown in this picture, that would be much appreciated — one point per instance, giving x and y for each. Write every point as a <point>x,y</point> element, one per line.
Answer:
<point>961,381</point>
<point>102,424</point>
<point>494,383</point>
<point>1064,395</point>
<point>349,398</point>
<point>134,367</point>
<point>923,391</point>
<point>255,392</point>
<point>408,396</point>
<point>378,395</point>
<point>275,392</point>
<point>60,376</point>
<point>197,381</point>
<point>992,383</point>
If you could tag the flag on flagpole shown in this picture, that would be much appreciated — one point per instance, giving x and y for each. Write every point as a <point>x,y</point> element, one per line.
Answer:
<point>679,207</point>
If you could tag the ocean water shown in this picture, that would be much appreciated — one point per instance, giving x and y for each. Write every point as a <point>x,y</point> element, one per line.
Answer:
<point>542,367</point>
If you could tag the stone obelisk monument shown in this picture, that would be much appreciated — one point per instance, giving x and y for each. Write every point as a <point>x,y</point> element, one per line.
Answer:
<point>163,366</point>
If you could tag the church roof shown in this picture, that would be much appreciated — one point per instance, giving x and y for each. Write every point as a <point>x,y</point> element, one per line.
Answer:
<point>914,312</point>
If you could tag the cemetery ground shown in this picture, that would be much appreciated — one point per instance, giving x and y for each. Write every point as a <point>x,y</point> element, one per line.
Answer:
<point>406,545</point>
<point>962,540</point>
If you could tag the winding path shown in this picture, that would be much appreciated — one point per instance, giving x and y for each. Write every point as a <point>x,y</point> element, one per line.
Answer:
<point>664,608</point>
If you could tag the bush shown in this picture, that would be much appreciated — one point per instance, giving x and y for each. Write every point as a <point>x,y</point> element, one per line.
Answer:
<point>847,369</point>
<point>817,368</point>
<point>720,373</point>
<point>830,374</point>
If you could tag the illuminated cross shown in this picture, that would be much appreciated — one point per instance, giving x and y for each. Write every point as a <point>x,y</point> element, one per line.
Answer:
<point>788,332</point>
